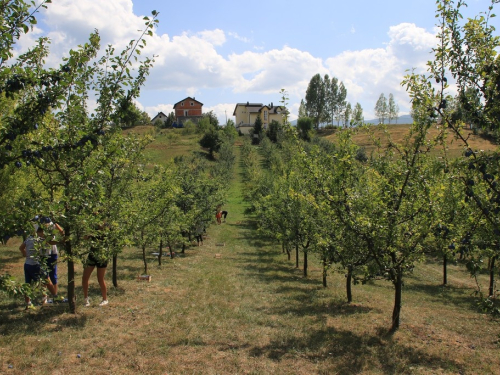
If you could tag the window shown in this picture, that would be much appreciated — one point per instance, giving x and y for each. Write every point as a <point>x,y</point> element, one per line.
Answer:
<point>192,104</point>
<point>265,115</point>
<point>182,104</point>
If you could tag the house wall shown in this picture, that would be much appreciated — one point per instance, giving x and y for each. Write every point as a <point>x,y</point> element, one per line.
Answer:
<point>159,116</point>
<point>275,116</point>
<point>241,115</point>
<point>246,116</point>
<point>192,107</point>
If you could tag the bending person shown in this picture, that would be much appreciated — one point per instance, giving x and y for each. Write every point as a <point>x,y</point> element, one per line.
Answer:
<point>32,269</point>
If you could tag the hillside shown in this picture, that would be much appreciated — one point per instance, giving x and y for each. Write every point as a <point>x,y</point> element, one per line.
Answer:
<point>398,132</point>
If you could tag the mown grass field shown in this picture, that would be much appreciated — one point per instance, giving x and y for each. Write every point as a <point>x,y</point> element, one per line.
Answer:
<point>248,311</point>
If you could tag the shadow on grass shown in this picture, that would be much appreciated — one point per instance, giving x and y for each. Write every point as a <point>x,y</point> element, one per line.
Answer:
<point>303,296</point>
<point>15,320</point>
<point>445,294</point>
<point>349,353</point>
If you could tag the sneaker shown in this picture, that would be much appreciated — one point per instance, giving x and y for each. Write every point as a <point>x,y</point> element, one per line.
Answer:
<point>86,302</point>
<point>104,302</point>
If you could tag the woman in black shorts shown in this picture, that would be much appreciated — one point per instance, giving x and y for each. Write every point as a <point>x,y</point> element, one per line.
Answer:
<point>101,264</point>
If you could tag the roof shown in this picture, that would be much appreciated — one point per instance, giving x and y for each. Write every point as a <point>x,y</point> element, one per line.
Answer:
<point>273,109</point>
<point>258,107</point>
<point>158,115</point>
<point>247,104</point>
<point>188,98</point>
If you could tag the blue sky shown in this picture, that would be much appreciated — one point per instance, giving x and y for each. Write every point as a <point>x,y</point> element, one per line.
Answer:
<point>224,52</point>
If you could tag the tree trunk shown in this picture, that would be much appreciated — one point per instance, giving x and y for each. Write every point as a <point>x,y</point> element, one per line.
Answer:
<point>71,272</point>
<point>160,254</point>
<point>144,259</point>
<point>171,251</point>
<point>445,273</point>
<point>348,284</point>
<point>144,253</point>
<point>491,290</point>
<point>305,263</point>
<point>398,287</point>
<point>115,272</point>
<point>324,271</point>
<point>296,255</point>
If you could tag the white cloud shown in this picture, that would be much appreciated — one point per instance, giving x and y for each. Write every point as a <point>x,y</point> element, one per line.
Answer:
<point>276,69</point>
<point>190,63</point>
<point>75,20</point>
<point>238,37</point>
<point>368,73</point>
<point>214,37</point>
<point>152,111</point>
<point>223,111</point>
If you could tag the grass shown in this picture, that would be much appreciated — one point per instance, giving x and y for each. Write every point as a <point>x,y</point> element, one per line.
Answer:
<point>248,312</point>
<point>168,143</point>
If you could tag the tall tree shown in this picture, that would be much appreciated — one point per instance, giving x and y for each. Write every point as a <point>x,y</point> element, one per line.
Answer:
<point>257,130</point>
<point>381,108</point>
<point>341,103</point>
<point>315,99</point>
<point>302,109</point>
<point>212,117</point>
<point>169,121</point>
<point>331,99</point>
<point>467,52</point>
<point>357,115</point>
<point>129,115</point>
<point>61,139</point>
<point>393,109</point>
<point>347,115</point>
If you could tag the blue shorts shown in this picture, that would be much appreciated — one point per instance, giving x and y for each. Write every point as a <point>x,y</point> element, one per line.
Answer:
<point>52,268</point>
<point>32,273</point>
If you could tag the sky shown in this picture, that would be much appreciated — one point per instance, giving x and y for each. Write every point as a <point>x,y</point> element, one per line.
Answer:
<point>226,52</point>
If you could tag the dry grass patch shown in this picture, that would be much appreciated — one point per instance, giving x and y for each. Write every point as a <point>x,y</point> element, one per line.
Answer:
<point>454,147</point>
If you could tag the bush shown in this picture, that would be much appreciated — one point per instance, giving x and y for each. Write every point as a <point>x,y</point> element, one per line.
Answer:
<point>189,128</point>
<point>212,141</point>
<point>361,155</point>
<point>304,126</point>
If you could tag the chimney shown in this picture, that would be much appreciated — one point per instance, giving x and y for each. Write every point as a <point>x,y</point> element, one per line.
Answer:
<point>271,104</point>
